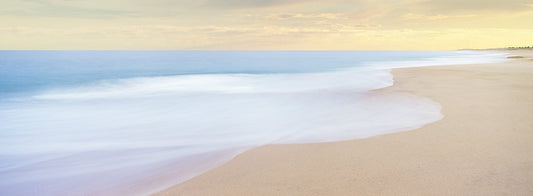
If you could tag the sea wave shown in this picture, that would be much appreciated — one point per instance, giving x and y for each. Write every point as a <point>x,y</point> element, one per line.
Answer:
<point>108,136</point>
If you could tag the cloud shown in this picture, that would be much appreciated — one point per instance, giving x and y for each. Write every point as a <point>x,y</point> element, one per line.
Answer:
<point>306,16</point>
<point>136,8</point>
<point>213,31</point>
<point>248,3</point>
<point>477,5</point>
<point>244,24</point>
<point>413,16</point>
<point>54,8</point>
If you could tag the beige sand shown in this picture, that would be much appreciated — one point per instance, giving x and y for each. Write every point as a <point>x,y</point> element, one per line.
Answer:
<point>483,146</point>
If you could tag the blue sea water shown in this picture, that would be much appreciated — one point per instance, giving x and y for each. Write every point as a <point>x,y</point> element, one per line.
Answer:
<point>27,71</point>
<point>103,122</point>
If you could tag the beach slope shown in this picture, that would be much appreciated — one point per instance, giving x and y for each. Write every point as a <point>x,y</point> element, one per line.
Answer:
<point>483,145</point>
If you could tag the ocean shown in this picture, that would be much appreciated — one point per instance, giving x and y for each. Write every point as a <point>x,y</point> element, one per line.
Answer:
<point>135,122</point>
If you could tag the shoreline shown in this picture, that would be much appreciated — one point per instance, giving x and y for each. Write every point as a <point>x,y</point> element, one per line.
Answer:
<point>481,146</point>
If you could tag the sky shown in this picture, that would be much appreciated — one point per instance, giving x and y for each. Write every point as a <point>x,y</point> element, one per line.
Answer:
<point>264,24</point>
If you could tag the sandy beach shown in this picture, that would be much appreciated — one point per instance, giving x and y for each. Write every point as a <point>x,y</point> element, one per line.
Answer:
<point>483,145</point>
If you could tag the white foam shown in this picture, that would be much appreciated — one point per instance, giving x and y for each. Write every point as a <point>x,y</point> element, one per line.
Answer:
<point>464,57</point>
<point>107,138</point>
<point>225,83</point>
<point>123,127</point>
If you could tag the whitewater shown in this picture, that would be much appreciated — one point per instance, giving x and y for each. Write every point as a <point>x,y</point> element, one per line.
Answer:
<point>135,122</point>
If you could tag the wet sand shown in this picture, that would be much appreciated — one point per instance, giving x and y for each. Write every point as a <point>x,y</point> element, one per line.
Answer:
<point>483,145</point>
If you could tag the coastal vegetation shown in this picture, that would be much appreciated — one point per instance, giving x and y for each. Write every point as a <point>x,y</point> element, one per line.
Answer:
<point>521,47</point>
